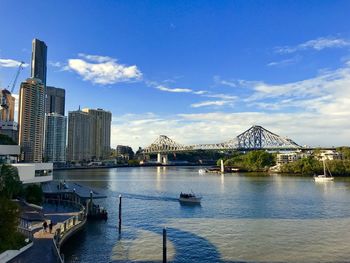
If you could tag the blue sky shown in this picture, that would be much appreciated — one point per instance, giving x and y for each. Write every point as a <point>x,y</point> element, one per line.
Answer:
<point>198,71</point>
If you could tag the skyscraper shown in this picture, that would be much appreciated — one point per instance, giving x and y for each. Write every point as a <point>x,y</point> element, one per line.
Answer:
<point>55,137</point>
<point>56,125</point>
<point>31,115</point>
<point>101,133</point>
<point>55,100</point>
<point>39,58</point>
<point>79,136</point>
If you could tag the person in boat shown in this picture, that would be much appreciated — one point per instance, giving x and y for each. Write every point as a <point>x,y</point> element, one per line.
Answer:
<point>182,195</point>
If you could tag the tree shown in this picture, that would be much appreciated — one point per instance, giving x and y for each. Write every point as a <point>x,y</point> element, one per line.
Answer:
<point>252,161</point>
<point>34,194</point>
<point>10,184</point>
<point>9,219</point>
<point>133,162</point>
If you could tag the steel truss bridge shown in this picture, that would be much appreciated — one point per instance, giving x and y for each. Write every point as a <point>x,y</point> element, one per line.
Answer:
<point>255,138</point>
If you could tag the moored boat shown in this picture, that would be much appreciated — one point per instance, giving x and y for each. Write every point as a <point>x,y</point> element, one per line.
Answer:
<point>324,177</point>
<point>202,171</point>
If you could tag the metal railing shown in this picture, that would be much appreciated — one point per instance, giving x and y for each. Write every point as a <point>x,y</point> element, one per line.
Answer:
<point>67,227</point>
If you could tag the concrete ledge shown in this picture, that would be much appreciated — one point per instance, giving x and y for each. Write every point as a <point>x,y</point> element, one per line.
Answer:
<point>56,251</point>
<point>71,232</point>
<point>10,254</point>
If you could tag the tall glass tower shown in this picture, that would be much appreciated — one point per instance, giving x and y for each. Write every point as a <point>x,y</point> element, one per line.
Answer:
<point>39,60</point>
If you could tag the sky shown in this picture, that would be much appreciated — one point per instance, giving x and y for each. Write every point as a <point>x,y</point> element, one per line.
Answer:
<point>196,71</point>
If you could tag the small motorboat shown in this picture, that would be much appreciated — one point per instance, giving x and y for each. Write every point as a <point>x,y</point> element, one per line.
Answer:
<point>189,198</point>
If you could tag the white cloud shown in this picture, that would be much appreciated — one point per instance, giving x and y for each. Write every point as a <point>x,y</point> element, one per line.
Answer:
<point>200,92</point>
<point>316,44</point>
<point>320,115</point>
<point>325,92</point>
<point>284,62</point>
<point>314,129</point>
<point>175,90</point>
<point>96,58</point>
<point>55,64</point>
<point>103,70</point>
<point>221,96</point>
<point>225,99</point>
<point>212,103</point>
<point>10,63</point>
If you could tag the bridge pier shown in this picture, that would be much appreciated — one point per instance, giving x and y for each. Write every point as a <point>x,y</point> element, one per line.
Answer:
<point>162,158</point>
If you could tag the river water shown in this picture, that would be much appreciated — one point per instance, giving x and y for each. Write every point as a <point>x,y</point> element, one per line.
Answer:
<point>242,218</point>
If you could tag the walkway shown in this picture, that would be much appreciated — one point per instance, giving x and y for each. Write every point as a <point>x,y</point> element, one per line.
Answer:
<point>42,249</point>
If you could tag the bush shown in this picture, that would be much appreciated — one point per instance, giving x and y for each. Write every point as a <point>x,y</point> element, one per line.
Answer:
<point>133,162</point>
<point>33,194</point>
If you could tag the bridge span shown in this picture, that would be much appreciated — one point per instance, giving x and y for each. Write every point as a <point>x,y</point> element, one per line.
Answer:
<point>255,138</point>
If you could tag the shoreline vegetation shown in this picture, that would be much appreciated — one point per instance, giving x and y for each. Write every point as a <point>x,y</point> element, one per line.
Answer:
<point>252,161</point>
<point>262,161</point>
<point>11,189</point>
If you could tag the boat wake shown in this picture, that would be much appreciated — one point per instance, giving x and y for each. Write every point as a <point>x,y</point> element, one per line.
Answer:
<point>149,197</point>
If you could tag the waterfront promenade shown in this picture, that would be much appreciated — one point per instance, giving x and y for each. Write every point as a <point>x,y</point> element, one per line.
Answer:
<point>64,207</point>
<point>42,249</point>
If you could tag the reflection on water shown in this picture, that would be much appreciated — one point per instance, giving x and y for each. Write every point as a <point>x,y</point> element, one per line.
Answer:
<point>146,246</point>
<point>246,218</point>
<point>277,240</point>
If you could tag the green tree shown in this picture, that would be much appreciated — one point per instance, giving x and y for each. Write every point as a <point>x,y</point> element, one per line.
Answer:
<point>9,219</point>
<point>34,194</point>
<point>133,162</point>
<point>258,160</point>
<point>345,151</point>
<point>10,184</point>
<point>251,161</point>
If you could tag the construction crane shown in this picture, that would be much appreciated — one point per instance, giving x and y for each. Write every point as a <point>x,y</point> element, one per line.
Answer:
<point>7,101</point>
<point>20,67</point>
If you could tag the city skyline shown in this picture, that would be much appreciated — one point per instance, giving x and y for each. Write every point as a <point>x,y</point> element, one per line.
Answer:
<point>197,72</point>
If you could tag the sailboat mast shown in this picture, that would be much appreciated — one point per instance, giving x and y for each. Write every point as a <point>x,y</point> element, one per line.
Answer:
<point>324,167</point>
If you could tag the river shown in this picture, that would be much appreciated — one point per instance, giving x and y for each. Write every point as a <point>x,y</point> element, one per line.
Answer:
<point>242,218</point>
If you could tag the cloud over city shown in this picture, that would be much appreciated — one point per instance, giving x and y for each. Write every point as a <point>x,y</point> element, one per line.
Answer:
<point>316,44</point>
<point>102,69</point>
<point>10,63</point>
<point>320,108</point>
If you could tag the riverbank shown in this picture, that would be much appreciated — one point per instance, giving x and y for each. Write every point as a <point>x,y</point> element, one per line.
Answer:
<point>127,166</point>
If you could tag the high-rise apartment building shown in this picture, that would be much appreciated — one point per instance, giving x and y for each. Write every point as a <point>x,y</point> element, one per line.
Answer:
<point>39,60</point>
<point>55,100</point>
<point>31,113</point>
<point>79,136</point>
<point>101,133</point>
<point>55,138</point>
<point>7,124</point>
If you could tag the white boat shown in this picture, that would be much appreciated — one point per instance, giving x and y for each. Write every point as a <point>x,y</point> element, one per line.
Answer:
<point>202,171</point>
<point>324,177</point>
<point>189,198</point>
